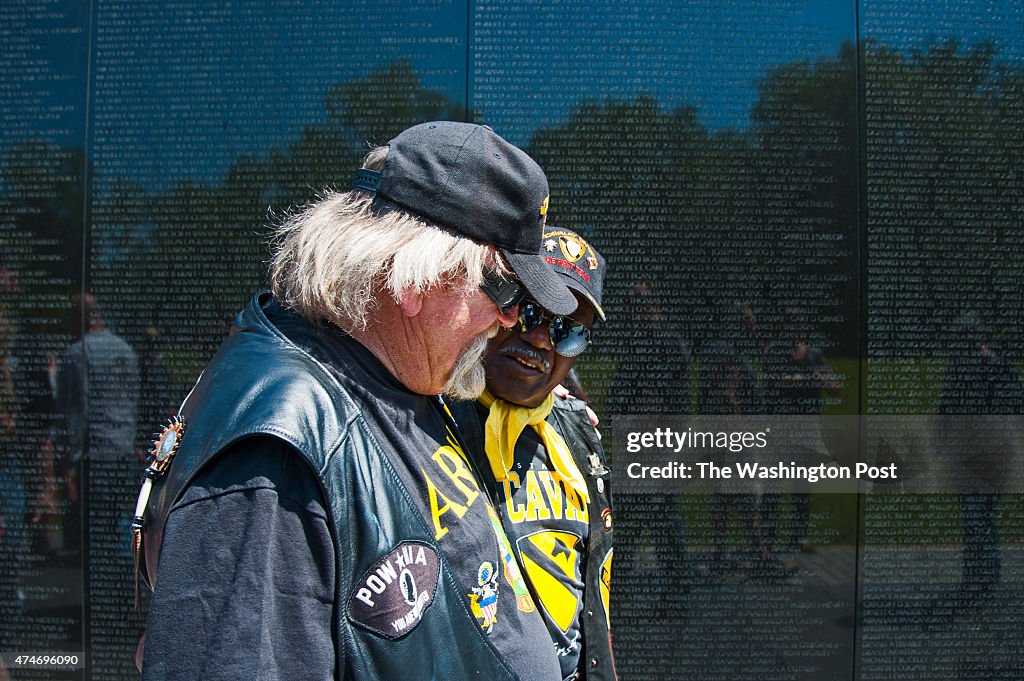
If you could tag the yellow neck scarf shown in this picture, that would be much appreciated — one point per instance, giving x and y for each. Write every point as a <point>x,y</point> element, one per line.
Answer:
<point>506,422</point>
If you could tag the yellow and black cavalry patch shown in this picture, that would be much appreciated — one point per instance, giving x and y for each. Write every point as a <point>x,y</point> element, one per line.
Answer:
<point>551,560</point>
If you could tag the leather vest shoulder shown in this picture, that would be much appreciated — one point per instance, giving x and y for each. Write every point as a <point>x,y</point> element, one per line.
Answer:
<point>258,383</point>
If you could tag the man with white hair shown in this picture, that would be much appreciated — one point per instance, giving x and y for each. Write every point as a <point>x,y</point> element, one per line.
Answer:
<point>312,512</point>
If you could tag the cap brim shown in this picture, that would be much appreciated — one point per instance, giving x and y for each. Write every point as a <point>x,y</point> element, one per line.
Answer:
<point>545,285</point>
<point>587,296</point>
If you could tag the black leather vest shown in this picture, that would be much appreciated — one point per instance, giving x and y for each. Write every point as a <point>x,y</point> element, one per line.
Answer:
<point>596,661</point>
<point>260,383</point>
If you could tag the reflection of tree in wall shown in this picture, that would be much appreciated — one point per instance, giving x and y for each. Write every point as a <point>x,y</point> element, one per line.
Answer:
<point>945,190</point>
<point>632,178</point>
<point>944,193</point>
<point>765,218</point>
<point>770,216</point>
<point>361,113</point>
<point>807,190</point>
<point>749,216</point>
<point>186,259</point>
<point>626,173</point>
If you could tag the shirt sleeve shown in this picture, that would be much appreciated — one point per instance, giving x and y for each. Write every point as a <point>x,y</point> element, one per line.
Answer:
<point>245,585</point>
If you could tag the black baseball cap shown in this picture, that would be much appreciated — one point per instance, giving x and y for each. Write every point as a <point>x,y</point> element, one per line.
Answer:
<point>466,179</point>
<point>581,265</point>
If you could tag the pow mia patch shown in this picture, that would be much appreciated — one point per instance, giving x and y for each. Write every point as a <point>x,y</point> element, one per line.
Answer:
<point>394,593</point>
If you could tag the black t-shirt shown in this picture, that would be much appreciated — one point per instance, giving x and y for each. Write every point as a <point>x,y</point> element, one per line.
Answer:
<point>246,579</point>
<point>425,451</point>
<point>548,523</point>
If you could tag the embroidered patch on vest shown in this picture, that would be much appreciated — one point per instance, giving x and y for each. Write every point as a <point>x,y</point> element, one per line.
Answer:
<point>483,600</point>
<point>394,593</point>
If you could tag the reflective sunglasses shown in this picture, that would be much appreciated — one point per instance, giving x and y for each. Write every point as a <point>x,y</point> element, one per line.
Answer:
<point>506,293</point>
<point>568,337</point>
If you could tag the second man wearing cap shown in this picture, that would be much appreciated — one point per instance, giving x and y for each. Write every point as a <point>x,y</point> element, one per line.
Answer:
<point>544,461</point>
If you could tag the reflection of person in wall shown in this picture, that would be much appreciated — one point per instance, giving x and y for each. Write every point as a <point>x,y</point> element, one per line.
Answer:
<point>652,379</point>
<point>979,382</point>
<point>321,517</point>
<point>97,396</point>
<point>12,488</point>
<point>797,375</point>
<point>728,386</point>
<point>546,465</point>
<point>28,394</point>
<point>25,416</point>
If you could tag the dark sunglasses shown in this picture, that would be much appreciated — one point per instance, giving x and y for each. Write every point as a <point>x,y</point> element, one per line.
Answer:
<point>568,337</point>
<point>506,293</point>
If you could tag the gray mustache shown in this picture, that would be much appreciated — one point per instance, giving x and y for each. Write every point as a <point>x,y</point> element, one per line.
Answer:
<point>527,351</point>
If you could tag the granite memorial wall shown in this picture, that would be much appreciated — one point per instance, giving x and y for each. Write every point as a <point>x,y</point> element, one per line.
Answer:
<point>809,208</point>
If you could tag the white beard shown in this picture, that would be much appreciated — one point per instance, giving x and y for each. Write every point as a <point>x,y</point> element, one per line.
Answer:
<point>468,377</point>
